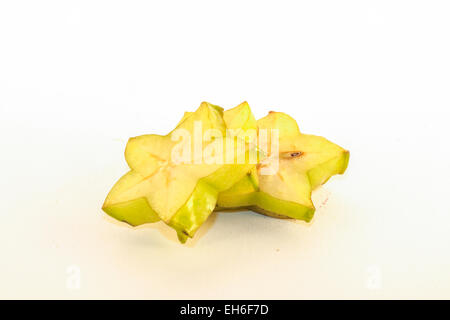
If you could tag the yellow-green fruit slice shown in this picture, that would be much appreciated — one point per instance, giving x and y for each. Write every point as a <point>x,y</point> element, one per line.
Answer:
<point>182,194</point>
<point>303,162</point>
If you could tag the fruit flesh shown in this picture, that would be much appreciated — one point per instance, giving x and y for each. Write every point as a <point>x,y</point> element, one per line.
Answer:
<point>182,195</point>
<point>304,163</point>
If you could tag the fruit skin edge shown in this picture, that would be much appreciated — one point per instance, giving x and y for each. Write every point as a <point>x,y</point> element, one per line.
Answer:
<point>263,203</point>
<point>203,200</point>
<point>192,214</point>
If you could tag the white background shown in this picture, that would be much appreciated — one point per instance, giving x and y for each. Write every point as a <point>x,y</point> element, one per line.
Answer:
<point>77,78</point>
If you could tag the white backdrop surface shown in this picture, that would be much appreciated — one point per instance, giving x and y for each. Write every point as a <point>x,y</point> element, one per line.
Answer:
<point>77,78</point>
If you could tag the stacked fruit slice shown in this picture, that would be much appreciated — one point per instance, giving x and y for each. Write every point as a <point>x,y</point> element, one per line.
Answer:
<point>215,160</point>
<point>281,184</point>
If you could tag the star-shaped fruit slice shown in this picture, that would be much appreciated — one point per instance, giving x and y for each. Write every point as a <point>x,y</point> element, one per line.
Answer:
<point>177,177</point>
<point>295,164</point>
